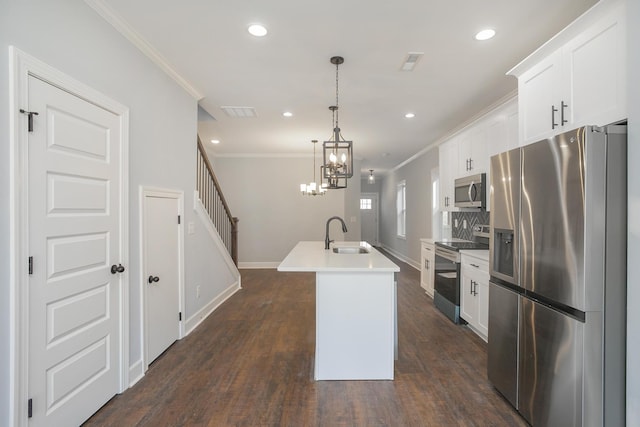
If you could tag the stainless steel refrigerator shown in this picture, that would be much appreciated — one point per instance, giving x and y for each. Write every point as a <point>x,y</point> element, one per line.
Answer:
<point>557,297</point>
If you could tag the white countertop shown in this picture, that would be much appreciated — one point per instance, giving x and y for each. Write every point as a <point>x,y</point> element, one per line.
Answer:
<point>311,256</point>
<point>445,240</point>
<point>477,253</point>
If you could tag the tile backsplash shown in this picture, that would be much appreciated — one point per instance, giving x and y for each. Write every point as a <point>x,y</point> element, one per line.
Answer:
<point>471,218</point>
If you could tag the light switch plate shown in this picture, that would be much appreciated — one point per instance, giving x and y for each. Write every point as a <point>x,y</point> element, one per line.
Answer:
<point>191,228</point>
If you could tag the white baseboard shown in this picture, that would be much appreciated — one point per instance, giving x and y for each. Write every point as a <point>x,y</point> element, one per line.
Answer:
<point>205,311</point>
<point>136,372</point>
<point>401,257</point>
<point>257,265</point>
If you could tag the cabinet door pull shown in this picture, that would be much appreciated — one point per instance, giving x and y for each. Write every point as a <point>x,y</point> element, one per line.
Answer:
<point>562,107</point>
<point>474,265</point>
<point>553,117</point>
<point>470,164</point>
<point>470,287</point>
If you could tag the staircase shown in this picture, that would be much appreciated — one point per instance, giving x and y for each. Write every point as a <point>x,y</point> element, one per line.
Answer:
<point>214,203</point>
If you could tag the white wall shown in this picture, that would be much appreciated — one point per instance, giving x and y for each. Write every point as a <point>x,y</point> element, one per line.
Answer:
<point>264,193</point>
<point>376,187</point>
<point>633,279</point>
<point>69,36</point>
<point>4,222</point>
<point>417,175</point>
<point>352,204</point>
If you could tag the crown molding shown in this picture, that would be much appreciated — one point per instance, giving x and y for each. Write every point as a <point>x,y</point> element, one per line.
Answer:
<point>109,15</point>
<point>511,96</point>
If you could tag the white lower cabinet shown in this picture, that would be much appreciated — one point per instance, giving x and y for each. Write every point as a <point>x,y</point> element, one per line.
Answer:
<point>474,291</point>
<point>427,260</point>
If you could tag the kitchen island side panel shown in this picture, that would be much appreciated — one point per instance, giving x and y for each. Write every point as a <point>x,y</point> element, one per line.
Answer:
<point>355,315</point>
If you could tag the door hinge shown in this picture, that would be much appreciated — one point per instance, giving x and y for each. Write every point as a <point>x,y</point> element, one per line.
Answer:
<point>178,219</point>
<point>30,265</point>
<point>30,115</point>
<point>30,408</point>
<point>180,316</point>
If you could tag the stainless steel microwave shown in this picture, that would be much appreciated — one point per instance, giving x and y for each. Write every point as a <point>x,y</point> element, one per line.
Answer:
<point>470,191</point>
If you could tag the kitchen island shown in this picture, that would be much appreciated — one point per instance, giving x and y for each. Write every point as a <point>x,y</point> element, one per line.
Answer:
<point>356,329</point>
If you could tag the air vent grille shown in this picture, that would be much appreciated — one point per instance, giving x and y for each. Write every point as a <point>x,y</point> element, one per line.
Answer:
<point>411,60</point>
<point>239,112</point>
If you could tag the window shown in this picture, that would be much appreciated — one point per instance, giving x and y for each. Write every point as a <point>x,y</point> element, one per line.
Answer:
<point>401,208</point>
<point>365,204</point>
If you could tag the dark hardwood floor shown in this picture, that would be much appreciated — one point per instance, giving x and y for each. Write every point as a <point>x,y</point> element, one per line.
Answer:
<point>251,364</point>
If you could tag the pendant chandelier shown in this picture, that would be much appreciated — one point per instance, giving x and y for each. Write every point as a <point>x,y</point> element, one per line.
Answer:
<point>313,189</point>
<point>371,179</point>
<point>337,154</point>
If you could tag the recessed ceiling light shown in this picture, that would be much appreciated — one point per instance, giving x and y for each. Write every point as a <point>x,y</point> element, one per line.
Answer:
<point>287,114</point>
<point>257,30</point>
<point>409,115</point>
<point>485,34</point>
<point>215,141</point>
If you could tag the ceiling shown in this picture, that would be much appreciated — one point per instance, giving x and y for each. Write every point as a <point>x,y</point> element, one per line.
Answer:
<point>206,45</point>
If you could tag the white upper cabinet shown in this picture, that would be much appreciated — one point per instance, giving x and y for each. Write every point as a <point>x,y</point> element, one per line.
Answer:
<point>581,81</point>
<point>538,90</point>
<point>595,71</point>
<point>472,151</point>
<point>502,130</point>
<point>468,152</point>
<point>448,169</point>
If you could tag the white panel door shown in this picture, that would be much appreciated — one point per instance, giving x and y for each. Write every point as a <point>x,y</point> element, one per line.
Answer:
<point>369,217</point>
<point>74,229</point>
<point>161,253</point>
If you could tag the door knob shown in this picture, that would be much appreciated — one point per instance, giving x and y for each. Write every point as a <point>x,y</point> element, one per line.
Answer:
<point>153,279</point>
<point>117,268</point>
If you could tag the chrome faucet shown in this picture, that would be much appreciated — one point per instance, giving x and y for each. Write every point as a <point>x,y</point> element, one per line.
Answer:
<point>326,236</point>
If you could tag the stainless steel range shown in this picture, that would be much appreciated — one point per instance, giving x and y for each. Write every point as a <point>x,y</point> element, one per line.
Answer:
<point>446,295</point>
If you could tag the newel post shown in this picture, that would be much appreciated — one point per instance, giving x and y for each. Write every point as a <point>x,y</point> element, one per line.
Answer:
<point>234,240</point>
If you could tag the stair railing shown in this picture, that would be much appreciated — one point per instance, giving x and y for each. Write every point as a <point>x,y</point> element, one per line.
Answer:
<point>213,200</point>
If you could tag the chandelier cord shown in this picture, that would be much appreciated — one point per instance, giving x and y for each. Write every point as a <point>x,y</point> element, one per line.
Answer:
<point>337,105</point>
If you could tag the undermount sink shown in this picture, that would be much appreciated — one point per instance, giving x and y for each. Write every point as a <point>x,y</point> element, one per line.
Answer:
<point>350,250</point>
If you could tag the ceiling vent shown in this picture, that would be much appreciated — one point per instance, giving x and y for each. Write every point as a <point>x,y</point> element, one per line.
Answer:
<point>240,112</point>
<point>411,60</point>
